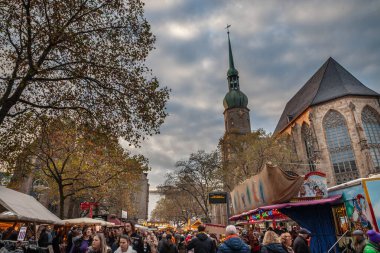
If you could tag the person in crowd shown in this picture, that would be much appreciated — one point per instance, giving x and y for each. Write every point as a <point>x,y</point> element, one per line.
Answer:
<point>81,244</point>
<point>147,248</point>
<point>99,244</point>
<point>43,240</point>
<point>201,243</point>
<point>373,244</point>
<point>70,239</point>
<point>300,244</point>
<point>57,240</point>
<point>125,245</point>
<point>152,241</point>
<point>359,241</point>
<point>255,245</point>
<point>287,242</point>
<point>136,239</point>
<point>294,233</point>
<point>168,246</point>
<point>182,245</point>
<point>233,243</point>
<point>272,243</point>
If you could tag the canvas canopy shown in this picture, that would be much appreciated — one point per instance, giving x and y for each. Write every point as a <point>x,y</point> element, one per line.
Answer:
<point>17,206</point>
<point>271,186</point>
<point>87,221</point>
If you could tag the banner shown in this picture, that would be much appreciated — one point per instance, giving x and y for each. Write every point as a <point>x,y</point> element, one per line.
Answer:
<point>313,187</point>
<point>124,214</point>
<point>271,186</point>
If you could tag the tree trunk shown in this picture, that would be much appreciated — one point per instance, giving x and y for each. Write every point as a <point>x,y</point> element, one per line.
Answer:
<point>61,202</point>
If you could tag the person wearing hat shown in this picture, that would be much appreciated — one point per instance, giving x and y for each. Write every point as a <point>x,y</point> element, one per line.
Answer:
<point>373,244</point>
<point>300,244</point>
<point>359,241</point>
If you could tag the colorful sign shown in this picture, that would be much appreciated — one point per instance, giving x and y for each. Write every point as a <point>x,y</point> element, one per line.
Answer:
<point>271,186</point>
<point>357,209</point>
<point>21,234</point>
<point>372,191</point>
<point>314,187</point>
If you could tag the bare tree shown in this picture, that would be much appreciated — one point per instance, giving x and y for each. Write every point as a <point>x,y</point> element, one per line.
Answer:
<point>197,177</point>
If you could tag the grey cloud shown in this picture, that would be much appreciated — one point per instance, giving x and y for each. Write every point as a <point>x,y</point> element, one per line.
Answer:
<point>277,46</point>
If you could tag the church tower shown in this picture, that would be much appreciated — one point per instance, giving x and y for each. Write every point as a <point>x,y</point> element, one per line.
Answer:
<point>236,112</point>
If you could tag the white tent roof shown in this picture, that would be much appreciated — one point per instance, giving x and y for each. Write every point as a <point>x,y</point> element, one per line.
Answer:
<point>88,221</point>
<point>17,206</point>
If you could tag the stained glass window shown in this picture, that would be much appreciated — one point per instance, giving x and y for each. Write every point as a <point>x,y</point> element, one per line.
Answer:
<point>339,146</point>
<point>371,125</point>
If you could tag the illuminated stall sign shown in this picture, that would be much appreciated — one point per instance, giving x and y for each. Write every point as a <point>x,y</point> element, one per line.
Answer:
<point>217,197</point>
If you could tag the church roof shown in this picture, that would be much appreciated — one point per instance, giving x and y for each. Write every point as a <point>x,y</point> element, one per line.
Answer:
<point>331,81</point>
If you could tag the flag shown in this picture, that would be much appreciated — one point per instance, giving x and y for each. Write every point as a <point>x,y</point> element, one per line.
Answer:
<point>124,214</point>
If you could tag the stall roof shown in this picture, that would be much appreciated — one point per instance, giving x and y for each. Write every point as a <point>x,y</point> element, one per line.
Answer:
<point>330,200</point>
<point>17,206</point>
<point>87,221</point>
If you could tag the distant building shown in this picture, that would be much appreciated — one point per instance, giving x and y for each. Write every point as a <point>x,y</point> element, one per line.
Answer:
<point>141,198</point>
<point>334,124</point>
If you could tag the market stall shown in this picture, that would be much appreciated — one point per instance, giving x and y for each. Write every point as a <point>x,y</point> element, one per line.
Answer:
<point>19,207</point>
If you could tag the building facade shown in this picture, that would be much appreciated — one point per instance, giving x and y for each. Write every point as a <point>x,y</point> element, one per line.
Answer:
<point>334,124</point>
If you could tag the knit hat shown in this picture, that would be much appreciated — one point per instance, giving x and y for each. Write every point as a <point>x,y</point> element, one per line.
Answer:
<point>373,236</point>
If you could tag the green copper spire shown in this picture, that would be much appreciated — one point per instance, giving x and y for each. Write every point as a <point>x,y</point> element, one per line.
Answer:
<point>234,97</point>
<point>231,71</point>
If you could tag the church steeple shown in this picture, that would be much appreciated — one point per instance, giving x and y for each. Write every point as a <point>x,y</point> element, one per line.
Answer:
<point>236,113</point>
<point>232,73</point>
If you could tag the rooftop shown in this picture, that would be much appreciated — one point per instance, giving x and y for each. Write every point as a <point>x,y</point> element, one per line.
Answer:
<point>331,81</point>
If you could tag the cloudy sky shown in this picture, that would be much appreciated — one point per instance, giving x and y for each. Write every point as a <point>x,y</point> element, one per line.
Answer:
<point>277,47</point>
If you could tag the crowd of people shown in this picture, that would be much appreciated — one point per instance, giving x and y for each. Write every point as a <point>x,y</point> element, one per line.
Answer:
<point>126,239</point>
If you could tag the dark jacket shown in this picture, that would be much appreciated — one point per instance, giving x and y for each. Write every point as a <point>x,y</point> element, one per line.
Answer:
<point>273,248</point>
<point>300,245</point>
<point>201,244</point>
<point>167,247</point>
<point>44,239</point>
<point>137,243</point>
<point>234,245</point>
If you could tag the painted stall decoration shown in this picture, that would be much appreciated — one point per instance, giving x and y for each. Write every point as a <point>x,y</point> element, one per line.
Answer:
<point>314,187</point>
<point>372,190</point>
<point>271,186</point>
<point>357,209</point>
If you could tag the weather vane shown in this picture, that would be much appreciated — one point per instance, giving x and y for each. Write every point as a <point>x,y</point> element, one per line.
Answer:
<point>227,27</point>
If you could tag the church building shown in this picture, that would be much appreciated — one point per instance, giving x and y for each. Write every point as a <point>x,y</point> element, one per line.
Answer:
<point>334,124</point>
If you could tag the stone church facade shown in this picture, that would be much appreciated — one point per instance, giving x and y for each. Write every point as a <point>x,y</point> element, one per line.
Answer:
<point>334,123</point>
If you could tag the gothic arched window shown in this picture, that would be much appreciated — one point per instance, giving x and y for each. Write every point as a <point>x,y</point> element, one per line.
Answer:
<point>371,125</point>
<point>339,146</point>
<point>307,139</point>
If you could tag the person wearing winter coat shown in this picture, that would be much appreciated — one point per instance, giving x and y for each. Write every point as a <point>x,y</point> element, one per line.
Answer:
<point>300,244</point>
<point>272,243</point>
<point>201,243</point>
<point>125,245</point>
<point>168,246</point>
<point>373,244</point>
<point>233,243</point>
